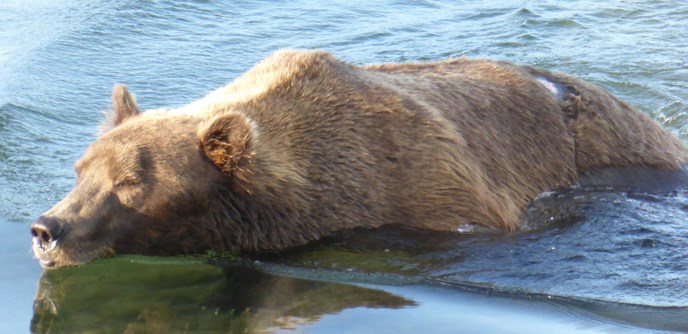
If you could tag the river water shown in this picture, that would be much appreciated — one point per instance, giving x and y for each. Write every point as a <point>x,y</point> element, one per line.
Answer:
<point>607,261</point>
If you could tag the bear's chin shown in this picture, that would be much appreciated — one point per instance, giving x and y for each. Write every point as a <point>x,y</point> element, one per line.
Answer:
<point>57,257</point>
<point>48,262</point>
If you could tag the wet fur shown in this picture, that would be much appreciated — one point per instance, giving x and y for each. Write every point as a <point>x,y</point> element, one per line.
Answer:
<point>303,145</point>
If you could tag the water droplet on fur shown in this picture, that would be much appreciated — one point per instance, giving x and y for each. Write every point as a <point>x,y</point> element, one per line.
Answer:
<point>466,228</point>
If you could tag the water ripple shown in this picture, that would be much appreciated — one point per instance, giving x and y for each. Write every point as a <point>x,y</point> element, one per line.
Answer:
<point>60,60</point>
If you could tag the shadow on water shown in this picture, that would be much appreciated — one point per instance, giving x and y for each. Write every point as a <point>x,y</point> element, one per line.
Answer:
<point>598,258</point>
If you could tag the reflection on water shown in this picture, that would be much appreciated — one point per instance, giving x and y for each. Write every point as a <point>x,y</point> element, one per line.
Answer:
<point>126,295</point>
<point>596,256</point>
<point>152,295</point>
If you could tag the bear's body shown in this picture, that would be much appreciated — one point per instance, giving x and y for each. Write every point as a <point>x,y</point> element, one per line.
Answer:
<point>304,145</point>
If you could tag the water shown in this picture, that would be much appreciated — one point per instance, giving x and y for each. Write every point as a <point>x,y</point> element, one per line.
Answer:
<point>607,262</point>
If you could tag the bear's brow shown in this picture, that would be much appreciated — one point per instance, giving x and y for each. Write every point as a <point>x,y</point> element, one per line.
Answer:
<point>134,162</point>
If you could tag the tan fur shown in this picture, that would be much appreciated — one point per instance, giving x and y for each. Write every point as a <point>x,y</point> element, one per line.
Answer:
<point>303,145</point>
<point>123,107</point>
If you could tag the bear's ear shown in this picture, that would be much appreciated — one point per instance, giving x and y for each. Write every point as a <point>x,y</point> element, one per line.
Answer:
<point>227,141</point>
<point>123,106</point>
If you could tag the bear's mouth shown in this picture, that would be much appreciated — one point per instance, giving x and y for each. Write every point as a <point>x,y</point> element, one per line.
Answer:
<point>45,255</point>
<point>46,260</point>
<point>54,259</point>
<point>55,255</point>
<point>44,250</point>
<point>47,263</point>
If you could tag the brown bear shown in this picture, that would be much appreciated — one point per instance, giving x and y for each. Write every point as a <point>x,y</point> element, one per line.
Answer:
<point>303,145</point>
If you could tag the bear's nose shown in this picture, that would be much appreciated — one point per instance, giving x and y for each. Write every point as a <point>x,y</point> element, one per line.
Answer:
<point>46,231</point>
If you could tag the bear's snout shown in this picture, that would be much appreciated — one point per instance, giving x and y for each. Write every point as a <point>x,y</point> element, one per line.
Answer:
<point>46,231</point>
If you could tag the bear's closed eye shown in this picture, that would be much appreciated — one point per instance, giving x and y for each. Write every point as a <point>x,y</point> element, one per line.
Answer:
<point>126,182</point>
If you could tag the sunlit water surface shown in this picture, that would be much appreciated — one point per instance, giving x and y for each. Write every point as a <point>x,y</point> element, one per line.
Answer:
<point>601,261</point>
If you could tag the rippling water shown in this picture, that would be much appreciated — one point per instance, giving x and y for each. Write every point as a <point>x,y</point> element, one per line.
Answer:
<point>60,59</point>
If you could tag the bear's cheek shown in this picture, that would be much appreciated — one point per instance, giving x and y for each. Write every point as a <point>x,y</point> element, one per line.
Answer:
<point>177,200</point>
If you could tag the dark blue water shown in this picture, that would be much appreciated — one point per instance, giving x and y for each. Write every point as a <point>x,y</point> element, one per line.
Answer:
<point>607,261</point>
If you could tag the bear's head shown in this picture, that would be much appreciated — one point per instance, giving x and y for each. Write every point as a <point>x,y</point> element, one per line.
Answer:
<point>152,183</point>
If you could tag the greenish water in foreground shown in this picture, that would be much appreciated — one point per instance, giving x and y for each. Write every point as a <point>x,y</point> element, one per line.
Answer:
<point>603,261</point>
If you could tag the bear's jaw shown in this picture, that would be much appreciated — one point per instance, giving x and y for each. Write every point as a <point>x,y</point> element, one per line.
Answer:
<point>48,258</point>
<point>46,263</point>
<point>44,254</point>
<point>57,255</point>
<point>58,258</point>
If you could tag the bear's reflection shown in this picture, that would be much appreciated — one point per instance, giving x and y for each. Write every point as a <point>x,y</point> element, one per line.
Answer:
<point>125,295</point>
